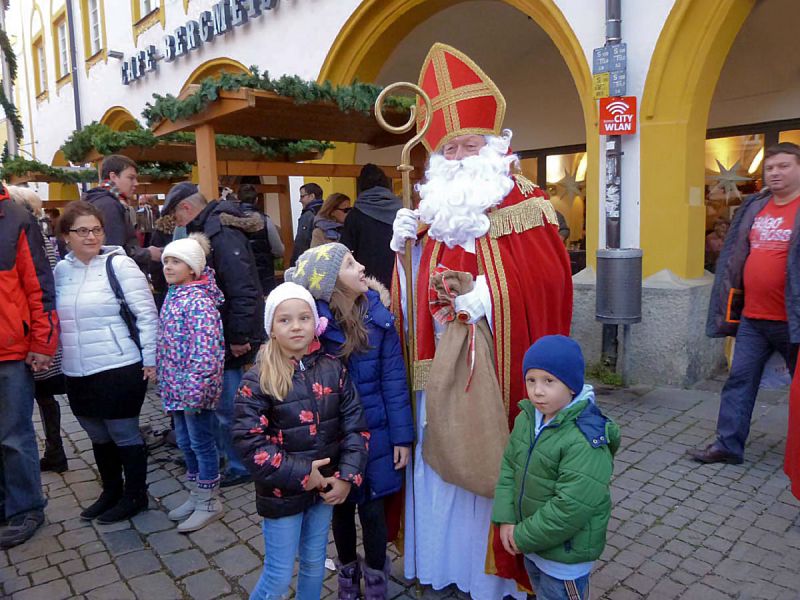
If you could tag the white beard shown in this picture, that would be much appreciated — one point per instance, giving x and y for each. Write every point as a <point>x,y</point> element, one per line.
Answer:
<point>457,193</point>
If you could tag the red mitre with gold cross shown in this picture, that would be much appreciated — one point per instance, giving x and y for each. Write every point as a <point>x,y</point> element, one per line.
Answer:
<point>464,100</point>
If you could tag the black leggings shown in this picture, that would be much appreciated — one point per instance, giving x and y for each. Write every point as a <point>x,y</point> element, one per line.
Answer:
<point>373,529</point>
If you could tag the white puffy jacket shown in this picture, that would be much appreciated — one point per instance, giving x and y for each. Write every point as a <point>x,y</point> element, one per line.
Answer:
<point>93,334</point>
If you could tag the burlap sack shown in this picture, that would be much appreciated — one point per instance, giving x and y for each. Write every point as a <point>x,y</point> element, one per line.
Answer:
<point>466,427</point>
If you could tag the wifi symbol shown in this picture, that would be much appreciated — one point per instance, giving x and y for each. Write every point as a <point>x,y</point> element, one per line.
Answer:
<point>617,107</point>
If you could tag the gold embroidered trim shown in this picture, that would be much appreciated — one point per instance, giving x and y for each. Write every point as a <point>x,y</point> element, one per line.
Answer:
<point>525,185</point>
<point>422,372</point>
<point>530,213</point>
<point>505,373</point>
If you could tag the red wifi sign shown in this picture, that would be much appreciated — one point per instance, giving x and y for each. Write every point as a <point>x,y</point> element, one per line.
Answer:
<point>618,115</point>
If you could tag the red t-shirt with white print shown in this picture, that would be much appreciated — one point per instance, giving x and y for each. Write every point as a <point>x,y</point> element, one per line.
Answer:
<point>765,268</point>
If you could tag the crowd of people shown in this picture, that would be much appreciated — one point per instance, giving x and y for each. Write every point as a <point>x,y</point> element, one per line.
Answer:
<point>483,443</point>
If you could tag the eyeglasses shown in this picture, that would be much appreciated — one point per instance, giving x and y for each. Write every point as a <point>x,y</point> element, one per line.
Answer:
<point>85,231</point>
<point>346,209</point>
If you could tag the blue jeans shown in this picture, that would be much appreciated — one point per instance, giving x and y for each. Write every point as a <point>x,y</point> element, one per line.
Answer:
<point>123,432</point>
<point>756,340</point>
<point>194,432</point>
<point>231,378</point>
<point>20,480</point>
<point>549,588</point>
<point>304,535</point>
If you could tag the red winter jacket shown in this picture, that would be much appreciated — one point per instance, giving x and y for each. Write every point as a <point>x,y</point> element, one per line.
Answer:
<point>28,319</point>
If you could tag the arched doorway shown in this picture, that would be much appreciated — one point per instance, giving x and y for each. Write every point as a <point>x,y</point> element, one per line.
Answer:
<point>119,119</point>
<point>62,191</point>
<point>214,68</point>
<point>386,40</point>
<point>684,70</point>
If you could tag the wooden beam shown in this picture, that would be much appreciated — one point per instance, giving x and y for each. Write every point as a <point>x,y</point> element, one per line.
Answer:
<point>206,161</point>
<point>232,102</point>
<point>285,204</point>
<point>244,167</point>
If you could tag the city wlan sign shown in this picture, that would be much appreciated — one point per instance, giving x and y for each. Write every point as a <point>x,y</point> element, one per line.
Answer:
<point>618,115</point>
<point>223,18</point>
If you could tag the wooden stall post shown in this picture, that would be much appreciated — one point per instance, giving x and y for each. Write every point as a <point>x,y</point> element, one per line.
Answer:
<point>285,204</point>
<point>207,161</point>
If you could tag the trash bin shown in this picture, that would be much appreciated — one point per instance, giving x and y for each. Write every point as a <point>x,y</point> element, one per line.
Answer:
<point>619,286</point>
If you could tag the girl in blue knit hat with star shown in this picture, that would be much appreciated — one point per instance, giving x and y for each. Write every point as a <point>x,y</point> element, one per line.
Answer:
<point>552,500</point>
<point>361,331</point>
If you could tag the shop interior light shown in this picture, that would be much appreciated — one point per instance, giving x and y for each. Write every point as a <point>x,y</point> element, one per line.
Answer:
<point>580,174</point>
<point>756,162</point>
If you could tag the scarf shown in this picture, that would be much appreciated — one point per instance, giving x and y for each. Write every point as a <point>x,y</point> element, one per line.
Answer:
<point>379,203</point>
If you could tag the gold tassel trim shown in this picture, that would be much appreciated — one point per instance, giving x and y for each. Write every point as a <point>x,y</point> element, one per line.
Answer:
<point>530,213</point>
<point>525,185</point>
<point>422,372</point>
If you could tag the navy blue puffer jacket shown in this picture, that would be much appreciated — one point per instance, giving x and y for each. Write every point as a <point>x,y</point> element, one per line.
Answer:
<point>379,375</point>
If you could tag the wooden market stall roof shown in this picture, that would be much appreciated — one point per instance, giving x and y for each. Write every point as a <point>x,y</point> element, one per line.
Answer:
<point>260,113</point>
<point>187,152</point>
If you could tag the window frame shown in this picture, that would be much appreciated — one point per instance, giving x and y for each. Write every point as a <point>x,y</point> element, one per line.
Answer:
<point>143,22</point>
<point>91,55</point>
<point>59,19</point>
<point>39,59</point>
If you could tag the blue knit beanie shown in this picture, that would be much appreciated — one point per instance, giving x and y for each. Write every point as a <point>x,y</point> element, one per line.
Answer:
<point>560,356</point>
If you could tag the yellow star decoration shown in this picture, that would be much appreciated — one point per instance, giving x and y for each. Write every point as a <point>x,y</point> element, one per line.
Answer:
<point>300,267</point>
<point>322,252</point>
<point>315,280</point>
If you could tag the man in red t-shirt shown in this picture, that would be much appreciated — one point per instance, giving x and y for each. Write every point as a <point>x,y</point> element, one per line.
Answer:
<point>759,264</point>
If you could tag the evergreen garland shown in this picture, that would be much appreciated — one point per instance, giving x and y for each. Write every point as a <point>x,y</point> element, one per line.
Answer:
<point>5,46</point>
<point>16,165</point>
<point>107,141</point>
<point>156,170</point>
<point>358,97</point>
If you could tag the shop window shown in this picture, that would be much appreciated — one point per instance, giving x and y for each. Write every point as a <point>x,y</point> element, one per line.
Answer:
<point>792,135</point>
<point>39,66</point>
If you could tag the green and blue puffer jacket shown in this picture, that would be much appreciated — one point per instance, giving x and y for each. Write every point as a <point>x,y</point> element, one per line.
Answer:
<point>555,486</point>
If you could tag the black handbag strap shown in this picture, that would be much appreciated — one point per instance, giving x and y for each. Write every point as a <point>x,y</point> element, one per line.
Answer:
<point>124,309</point>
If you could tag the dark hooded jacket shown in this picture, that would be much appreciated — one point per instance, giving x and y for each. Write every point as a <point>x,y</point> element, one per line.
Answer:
<point>368,231</point>
<point>119,230</point>
<point>163,229</point>
<point>723,307</point>
<point>237,277</point>
<point>379,374</point>
<point>321,417</point>
<point>305,229</point>
<point>255,227</point>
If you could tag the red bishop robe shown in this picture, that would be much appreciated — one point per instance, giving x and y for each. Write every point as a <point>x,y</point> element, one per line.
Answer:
<point>528,273</point>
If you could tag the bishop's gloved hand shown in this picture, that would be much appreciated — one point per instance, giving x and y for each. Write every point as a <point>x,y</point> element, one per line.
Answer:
<point>404,228</point>
<point>476,303</point>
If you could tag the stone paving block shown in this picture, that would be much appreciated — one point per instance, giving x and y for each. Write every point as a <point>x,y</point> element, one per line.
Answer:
<point>137,563</point>
<point>45,575</point>
<point>94,578</point>
<point>91,548</point>
<point>34,548</point>
<point>165,487</point>
<point>183,563</point>
<point>213,537</point>
<point>166,542</point>
<point>248,582</point>
<point>151,521</point>
<point>28,566</point>
<point>122,542</point>
<point>237,560</point>
<point>206,585</point>
<point>77,537</point>
<point>54,590</point>
<point>700,590</point>
<point>157,585</point>
<point>115,591</point>
<point>97,560</point>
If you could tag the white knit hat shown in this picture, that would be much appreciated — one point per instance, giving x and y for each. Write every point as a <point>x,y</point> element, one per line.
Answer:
<point>191,250</point>
<point>291,291</point>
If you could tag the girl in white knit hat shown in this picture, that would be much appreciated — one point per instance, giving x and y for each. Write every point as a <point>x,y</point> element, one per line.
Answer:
<point>301,431</point>
<point>190,353</point>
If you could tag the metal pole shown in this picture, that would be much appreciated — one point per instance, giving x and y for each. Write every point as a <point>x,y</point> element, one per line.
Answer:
<point>73,61</point>
<point>8,89</point>
<point>613,203</point>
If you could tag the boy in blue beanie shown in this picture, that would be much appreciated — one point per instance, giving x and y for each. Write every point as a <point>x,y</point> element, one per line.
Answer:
<point>552,500</point>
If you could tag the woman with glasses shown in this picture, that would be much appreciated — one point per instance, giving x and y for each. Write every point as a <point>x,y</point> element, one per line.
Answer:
<point>108,359</point>
<point>329,221</point>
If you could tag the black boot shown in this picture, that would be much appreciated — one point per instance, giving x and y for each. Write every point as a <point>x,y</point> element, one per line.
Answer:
<point>54,458</point>
<point>106,457</point>
<point>134,499</point>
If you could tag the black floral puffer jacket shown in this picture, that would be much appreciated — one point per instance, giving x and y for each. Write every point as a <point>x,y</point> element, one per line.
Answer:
<point>321,417</point>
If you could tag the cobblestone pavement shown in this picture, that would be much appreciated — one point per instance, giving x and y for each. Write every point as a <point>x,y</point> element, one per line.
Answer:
<point>678,530</point>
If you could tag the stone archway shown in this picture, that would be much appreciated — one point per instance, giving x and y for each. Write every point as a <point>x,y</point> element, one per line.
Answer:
<point>684,70</point>
<point>214,68</point>
<point>374,29</point>
<point>119,119</point>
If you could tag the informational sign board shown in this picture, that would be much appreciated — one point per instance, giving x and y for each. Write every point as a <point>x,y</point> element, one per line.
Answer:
<point>618,115</point>
<point>609,64</point>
